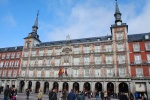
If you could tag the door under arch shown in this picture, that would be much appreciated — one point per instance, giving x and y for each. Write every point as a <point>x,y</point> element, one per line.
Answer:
<point>123,88</point>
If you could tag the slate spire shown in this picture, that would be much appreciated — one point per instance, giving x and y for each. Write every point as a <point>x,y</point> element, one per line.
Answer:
<point>117,14</point>
<point>35,26</point>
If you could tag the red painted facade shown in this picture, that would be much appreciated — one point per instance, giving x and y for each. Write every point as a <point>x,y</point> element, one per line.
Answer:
<point>144,60</point>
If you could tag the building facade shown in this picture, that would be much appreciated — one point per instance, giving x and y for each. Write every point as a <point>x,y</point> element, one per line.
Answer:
<point>113,63</point>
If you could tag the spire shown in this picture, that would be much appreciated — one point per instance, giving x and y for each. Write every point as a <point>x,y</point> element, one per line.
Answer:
<point>117,15</point>
<point>35,26</point>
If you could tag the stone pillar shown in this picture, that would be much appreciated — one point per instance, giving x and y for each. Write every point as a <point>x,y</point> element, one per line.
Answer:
<point>116,87</point>
<point>148,90</point>
<point>33,86</point>
<point>81,86</point>
<point>70,86</point>
<point>133,86</point>
<point>26,85</point>
<point>60,86</point>
<point>50,85</point>
<point>105,86</point>
<point>93,88</point>
<point>42,86</point>
<point>5,84</point>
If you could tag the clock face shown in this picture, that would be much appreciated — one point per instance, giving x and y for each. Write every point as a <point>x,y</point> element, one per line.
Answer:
<point>118,23</point>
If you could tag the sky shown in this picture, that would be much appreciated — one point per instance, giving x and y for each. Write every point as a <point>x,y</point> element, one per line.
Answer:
<point>76,18</point>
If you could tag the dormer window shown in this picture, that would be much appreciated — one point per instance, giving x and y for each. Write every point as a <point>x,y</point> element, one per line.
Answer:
<point>27,45</point>
<point>146,37</point>
<point>108,38</point>
<point>98,39</point>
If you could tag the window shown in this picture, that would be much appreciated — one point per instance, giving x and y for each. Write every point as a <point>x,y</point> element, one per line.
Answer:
<point>76,61</point>
<point>11,64</point>
<point>4,72</point>
<point>108,48</point>
<point>32,62</point>
<point>97,73</point>
<point>25,54</point>
<point>148,58</point>
<point>24,63</point>
<point>23,73</point>
<point>6,64</point>
<point>31,73</point>
<point>3,56</point>
<point>86,60</point>
<point>15,73</point>
<point>16,63</point>
<point>97,60</point>
<point>38,73</point>
<point>137,59</point>
<point>33,53</point>
<point>57,51</point>
<point>86,49</point>
<point>41,52</point>
<point>136,47</point>
<point>147,46</point>
<point>57,62</point>
<point>40,62</point>
<point>119,36</point>
<point>86,73</point>
<point>9,73</point>
<point>121,59</point>
<point>120,47</point>
<point>18,55</point>
<point>122,72</point>
<point>1,64</point>
<point>13,55</point>
<point>48,62</point>
<point>146,37</point>
<point>139,72</point>
<point>8,56</point>
<point>49,52</point>
<point>108,59</point>
<point>97,48</point>
<point>76,50</point>
<point>27,45</point>
<point>109,72</point>
<point>75,73</point>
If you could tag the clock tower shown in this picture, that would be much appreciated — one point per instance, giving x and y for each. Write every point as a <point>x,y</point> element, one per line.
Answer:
<point>117,15</point>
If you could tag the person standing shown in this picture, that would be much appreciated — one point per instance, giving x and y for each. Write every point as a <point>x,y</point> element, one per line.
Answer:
<point>27,93</point>
<point>6,93</point>
<point>52,95</point>
<point>40,95</point>
<point>80,96</point>
<point>145,96</point>
<point>136,95</point>
<point>102,95</point>
<point>71,95</point>
<point>97,96</point>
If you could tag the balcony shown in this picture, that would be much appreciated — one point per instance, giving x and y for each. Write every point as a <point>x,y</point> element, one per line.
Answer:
<point>25,55</point>
<point>136,50</point>
<point>119,38</point>
<point>86,51</point>
<point>109,62</point>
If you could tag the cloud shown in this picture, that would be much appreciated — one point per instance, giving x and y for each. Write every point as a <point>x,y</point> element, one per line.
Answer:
<point>90,20</point>
<point>9,21</point>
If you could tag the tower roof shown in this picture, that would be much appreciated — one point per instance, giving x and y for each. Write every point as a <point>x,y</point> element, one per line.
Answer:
<point>117,8</point>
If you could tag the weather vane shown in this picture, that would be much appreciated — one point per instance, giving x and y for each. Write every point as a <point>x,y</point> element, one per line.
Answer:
<point>38,13</point>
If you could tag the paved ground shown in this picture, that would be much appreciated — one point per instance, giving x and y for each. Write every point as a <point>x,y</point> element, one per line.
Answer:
<point>22,96</point>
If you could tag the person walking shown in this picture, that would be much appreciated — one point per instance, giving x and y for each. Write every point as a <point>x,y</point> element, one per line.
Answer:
<point>27,93</point>
<point>52,95</point>
<point>80,96</point>
<point>71,95</point>
<point>6,93</point>
<point>136,95</point>
<point>97,96</point>
<point>145,96</point>
<point>40,95</point>
<point>102,95</point>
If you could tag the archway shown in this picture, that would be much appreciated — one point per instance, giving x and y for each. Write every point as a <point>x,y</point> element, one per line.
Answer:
<point>55,86</point>
<point>65,86</point>
<point>98,87</point>
<point>123,88</point>
<point>30,85</point>
<point>37,87</point>
<point>87,86</point>
<point>46,87</point>
<point>110,88</point>
<point>76,86</point>
<point>22,83</point>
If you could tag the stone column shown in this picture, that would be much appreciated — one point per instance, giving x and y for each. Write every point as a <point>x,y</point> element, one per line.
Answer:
<point>50,85</point>
<point>133,86</point>
<point>81,86</point>
<point>93,88</point>
<point>26,85</point>
<point>116,87</point>
<point>105,86</point>
<point>70,86</point>
<point>60,86</point>
<point>148,90</point>
<point>33,86</point>
<point>42,86</point>
<point>5,84</point>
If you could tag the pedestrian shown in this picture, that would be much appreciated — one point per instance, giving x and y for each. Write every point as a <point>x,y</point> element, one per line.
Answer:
<point>71,95</point>
<point>136,95</point>
<point>13,93</point>
<point>105,95</point>
<point>102,95</point>
<point>131,96</point>
<point>40,95</point>
<point>6,93</point>
<point>64,95</point>
<point>27,93</point>
<point>80,96</point>
<point>145,96</point>
<point>52,95</point>
<point>97,96</point>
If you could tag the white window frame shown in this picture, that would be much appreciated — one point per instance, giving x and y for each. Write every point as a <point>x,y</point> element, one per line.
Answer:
<point>97,48</point>
<point>24,64</point>
<point>11,63</point>
<point>108,48</point>
<point>97,73</point>
<point>16,63</point>
<point>109,72</point>
<point>137,59</point>
<point>40,62</point>
<point>33,53</point>
<point>147,46</point>
<point>136,47</point>
<point>121,59</point>
<point>97,60</point>
<point>119,35</point>
<point>76,61</point>
<point>18,55</point>
<point>13,55</point>
<point>139,72</point>
<point>25,54</point>
<point>86,73</point>
<point>3,56</point>
<point>108,59</point>
<point>48,62</point>
<point>57,62</point>
<point>1,64</point>
<point>41,52</point>
<point>6,64</point>
<point>122,72</point>
<point>49,52</point>
<point>76,50</point>
<point>148,58</point>
<point>57,51</point>
<point>86,49</point>
<point>15,73</point>
<point>86,60</point>
<point>120,47</point>
<point>32,63</point>
<point>8,56</point>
